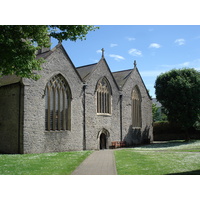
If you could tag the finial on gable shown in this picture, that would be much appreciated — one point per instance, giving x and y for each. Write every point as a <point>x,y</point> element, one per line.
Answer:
<point>102,52</point>
<point>135,64</point>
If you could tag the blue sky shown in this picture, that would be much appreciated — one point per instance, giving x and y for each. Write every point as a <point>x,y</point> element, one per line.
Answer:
<point>156,48</point>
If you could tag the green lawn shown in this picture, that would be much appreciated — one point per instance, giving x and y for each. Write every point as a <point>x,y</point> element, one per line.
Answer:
<point>61,163</point>
<point>176,157</point>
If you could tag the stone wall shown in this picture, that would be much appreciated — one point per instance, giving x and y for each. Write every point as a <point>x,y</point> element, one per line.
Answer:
<point>9,118</point>
<point>130,135</point>
<point>96,123</point>
<point>36,139</point>
<point>22,106</point>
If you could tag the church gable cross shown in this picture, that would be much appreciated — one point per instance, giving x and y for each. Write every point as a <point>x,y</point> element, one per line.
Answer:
<point>102,52</point>
<point>135,64</point>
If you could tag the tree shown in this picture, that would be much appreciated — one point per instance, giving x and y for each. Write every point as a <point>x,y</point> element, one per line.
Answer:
<point>156,115</point>
<point>18,45</point>
<point>179,93</point>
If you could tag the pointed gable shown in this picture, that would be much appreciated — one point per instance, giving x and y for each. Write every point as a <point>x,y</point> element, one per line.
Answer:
<point>136,69</point>
<point>68,58</point>
<point>122,77</point>
<point>103,61</point>
<point>86,70</point>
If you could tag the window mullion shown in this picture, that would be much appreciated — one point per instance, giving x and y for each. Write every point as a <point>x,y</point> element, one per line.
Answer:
<point>59,117</point>
<point>135,113</point>
<point>51,108</point>
<point>48,109</point>
<point>97,102</point>
<point>54,109</point>
<point>107,102</point>
<point>64,112</point>
<point>140,107</point>
<point>103,96</point>
<point>106,107</point>
<point>61,109</point>
<point>136,102</point>
<point>67,113</point>
<point>136,108</point>
<point>57,105</point>
<point>104,103</point>
<point>101,100</point>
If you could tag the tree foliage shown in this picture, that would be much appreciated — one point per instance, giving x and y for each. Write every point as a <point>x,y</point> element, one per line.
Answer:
<point>155,112</point>
<point>179,93</point>
<point>18,45</point>
<point>158,113</point>
<point>65,32</point>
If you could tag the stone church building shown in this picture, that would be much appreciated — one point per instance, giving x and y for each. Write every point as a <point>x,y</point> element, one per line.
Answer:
<point>70,108</point>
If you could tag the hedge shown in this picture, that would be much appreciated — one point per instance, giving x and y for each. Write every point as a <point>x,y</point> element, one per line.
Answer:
<point>171,131</point>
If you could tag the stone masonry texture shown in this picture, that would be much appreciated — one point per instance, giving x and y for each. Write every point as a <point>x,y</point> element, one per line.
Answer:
<point>22,110</point>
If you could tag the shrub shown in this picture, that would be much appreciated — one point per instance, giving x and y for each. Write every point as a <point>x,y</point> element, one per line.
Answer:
<point>171,131</point>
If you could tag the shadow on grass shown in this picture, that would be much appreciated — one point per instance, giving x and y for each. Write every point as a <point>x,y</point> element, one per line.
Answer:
<point>194,172</point>
<point>165,144</point>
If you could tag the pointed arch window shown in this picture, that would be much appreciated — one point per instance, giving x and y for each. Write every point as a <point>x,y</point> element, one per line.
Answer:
<point>136,108</point>
<point>104,96</point>
<point>57,104</point>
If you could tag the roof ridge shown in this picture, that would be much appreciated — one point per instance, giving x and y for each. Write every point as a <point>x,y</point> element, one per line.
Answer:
<point>86,65</point>
<point>122,70</point>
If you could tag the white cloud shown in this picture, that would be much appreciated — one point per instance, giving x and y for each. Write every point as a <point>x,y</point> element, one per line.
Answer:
<point>154,45</point>
<point>186,64</point>
<point>130,38</point>
<point>180,41</point>
<point>117,57</point>
<point>113,45</point>
<point>135,52</point>
<point>99,51</point>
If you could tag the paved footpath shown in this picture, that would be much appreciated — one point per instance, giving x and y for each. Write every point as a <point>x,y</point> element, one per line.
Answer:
<point>98,163</point>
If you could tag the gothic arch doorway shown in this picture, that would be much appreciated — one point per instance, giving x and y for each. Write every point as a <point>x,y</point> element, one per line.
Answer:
<point>103,139</point>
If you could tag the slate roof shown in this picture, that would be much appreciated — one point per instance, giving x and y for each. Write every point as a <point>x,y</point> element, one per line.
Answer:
<point>119,76</point>
<point>10,79</point>
<point>122,76</point>
<point>85,70</point>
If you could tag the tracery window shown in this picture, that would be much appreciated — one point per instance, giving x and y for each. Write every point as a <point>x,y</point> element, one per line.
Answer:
<point>103,96</point>
<point>136,108</point>
<point>57,104</point>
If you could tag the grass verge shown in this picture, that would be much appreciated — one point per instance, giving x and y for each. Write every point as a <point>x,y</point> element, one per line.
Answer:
<point>175,157</point>
<point>61,163</point>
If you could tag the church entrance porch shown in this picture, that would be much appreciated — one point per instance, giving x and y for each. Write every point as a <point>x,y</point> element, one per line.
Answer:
<point>103,139</point>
